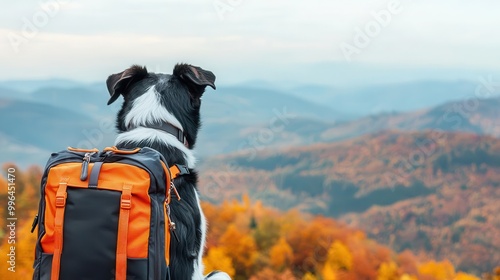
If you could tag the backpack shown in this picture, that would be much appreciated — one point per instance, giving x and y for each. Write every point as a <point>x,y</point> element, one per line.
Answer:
<point>105,215</point>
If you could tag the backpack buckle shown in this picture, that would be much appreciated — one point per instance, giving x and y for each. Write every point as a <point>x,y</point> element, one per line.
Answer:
<point>61,200</point>
<point>126,198</point>
<point>61,193</point>
<point>126,201</point>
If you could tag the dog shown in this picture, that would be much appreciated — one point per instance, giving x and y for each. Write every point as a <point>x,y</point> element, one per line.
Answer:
<point>162,111</point>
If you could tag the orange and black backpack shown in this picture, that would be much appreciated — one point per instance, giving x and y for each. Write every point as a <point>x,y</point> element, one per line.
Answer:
<point>105,215</point>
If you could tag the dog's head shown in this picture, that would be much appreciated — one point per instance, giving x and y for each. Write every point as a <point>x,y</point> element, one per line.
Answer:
<point>152,98</point>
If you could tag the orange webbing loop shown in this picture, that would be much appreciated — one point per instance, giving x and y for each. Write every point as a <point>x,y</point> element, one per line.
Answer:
<point>94,150</point>
<point>61,196</point>
<point>171,174</point>
<point>174,171</point>
<point>121,242</point>
<point>115,150</point>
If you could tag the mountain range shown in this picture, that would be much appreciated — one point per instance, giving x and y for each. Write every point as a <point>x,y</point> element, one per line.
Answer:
<point>236,118</point>
<point>51,118</point>
<point>413,164</point>
<point>398,97</point>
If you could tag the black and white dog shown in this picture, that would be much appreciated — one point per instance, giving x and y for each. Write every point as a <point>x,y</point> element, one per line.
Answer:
<point>162,111</point>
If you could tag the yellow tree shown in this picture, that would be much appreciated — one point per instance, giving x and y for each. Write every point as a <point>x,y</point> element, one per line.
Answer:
<point>217,259</point>
<point>439,270</point>
<point>407,277</point>
<point>241,248</point>
<point>465,276</point>
<point>309,276</point>
<point>388,271</point>
<point>339,258</point>
<point>329,272</point>
<point>281,254</point>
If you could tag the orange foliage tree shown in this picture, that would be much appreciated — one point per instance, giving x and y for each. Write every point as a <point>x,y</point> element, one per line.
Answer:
<point>218,259</point>
<point>241,248</point>
<point>439,270</point>
<point>281,254</point>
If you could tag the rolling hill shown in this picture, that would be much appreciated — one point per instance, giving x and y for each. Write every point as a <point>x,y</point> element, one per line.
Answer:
<point>235,119</point>
<point>50,119</point>
<point>433,193</point>
<point>480,116</point>
<point>28,86</point>
<point>30,131</point>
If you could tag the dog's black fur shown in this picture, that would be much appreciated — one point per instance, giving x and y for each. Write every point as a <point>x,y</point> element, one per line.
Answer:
<point>180,95</point>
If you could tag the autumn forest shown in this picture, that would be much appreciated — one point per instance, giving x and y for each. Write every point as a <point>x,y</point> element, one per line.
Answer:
<point>257,242</point>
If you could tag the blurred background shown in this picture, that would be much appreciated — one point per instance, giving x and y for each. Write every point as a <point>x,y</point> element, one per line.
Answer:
<point>345,140</point>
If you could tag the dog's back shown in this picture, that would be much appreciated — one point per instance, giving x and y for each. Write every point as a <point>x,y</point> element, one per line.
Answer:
<point>162,111</point>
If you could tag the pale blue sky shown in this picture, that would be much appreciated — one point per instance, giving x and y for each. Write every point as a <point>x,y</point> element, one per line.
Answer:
<point>244,39</point>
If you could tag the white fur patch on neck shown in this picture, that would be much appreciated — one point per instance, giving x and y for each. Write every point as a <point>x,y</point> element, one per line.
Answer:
<point>147,109</point>
<point>151,135</point>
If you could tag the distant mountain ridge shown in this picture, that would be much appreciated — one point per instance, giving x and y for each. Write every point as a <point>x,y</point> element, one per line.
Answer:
<point>356,100</point>
<point>239,118</point>
<point>481,117</point>
<point>30,131</point>
<point>388,98</point>
<point>54,118</point>
<point>27,86</point>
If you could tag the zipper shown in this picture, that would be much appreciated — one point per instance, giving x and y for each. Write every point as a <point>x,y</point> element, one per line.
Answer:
<point>171,224</point>
<point>85,166</point>
<point>157,264</point>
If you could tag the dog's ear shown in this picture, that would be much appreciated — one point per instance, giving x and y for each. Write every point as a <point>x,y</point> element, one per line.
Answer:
<point>196,78</point>
<point>120,82</point>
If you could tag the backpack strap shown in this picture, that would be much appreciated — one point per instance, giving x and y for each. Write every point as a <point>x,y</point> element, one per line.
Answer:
<point>121,243</point>
<point>177,170</point>
<point>61,196</point>
<point>171,172</point>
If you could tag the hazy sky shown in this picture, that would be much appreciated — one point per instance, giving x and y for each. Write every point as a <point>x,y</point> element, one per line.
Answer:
<point>245,39</point>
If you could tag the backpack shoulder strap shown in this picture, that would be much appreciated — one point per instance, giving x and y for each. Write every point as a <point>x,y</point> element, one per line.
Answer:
<point>173,172</point>
<point>177,170</point>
